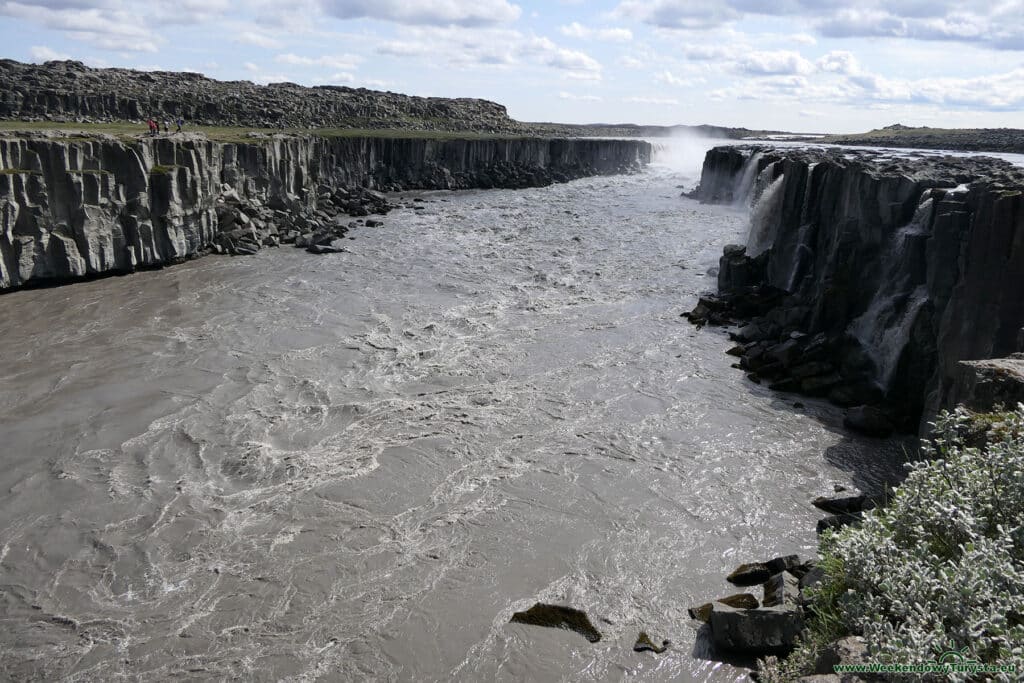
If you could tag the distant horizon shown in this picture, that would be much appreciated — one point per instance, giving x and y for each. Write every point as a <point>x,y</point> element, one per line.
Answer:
<point>788,65</point>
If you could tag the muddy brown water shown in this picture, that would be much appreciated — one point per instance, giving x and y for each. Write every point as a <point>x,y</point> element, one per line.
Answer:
<point>359,466</point>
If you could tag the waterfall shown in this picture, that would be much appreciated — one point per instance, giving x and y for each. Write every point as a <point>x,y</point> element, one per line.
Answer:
<point>744,183</point>
<point>884,329</point>
<point>765,216</point>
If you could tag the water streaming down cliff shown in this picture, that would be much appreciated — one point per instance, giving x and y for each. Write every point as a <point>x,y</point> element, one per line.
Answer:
<point>743,191</point>
<point>919,262</point>
<point>360,465</point>
<point>885,328</point>
<point>765,214</point>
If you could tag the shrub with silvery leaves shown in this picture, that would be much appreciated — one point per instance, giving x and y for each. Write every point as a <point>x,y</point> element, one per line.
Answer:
<point>939,569</point>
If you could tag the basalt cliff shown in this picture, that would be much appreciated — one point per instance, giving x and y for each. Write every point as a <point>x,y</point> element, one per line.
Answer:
<point>870,279</point>
<point>74,207</point>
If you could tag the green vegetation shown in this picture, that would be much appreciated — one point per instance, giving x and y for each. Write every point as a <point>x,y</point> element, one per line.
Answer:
<point>161,170</point>
<point>130,132</point>
<point>17,171</point>
<point>938,570</point>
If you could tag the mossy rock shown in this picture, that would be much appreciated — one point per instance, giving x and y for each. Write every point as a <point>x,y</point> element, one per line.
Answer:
<point>556,616</point>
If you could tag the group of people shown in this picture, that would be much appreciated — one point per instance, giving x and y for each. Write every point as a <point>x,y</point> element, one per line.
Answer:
<point>154,127</point>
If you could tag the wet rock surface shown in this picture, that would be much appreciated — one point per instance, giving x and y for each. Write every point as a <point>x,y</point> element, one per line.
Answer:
<point>557,616</point>
<point>645,644</point>
<point>867,278</point>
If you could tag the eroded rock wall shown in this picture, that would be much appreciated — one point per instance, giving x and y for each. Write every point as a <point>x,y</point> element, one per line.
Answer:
<point>75,207</point>
<point>915,263</point>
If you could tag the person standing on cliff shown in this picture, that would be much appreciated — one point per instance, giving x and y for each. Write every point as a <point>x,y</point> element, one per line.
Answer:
<point>153,128</point>
<point>181,122</point>
<point>167,127</point>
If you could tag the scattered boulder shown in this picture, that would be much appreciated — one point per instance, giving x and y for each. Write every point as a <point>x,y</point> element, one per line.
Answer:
<point>740,601</point>
<point>781,589</point>
<point>763,631</point>
<point>752,574</point>
<point>556,616</point>
<point>843,506</point>
<point>701,612</point>
<point>644,644</point>
<point>756,573</point>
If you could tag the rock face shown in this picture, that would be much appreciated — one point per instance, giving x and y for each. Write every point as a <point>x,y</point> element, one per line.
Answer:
<point>72,207</point>
<point>72,91</point>
<point>871,277</point>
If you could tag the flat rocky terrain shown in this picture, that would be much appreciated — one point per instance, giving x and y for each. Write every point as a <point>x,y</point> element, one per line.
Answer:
<point>1005,140</point>
<point>69,91</point>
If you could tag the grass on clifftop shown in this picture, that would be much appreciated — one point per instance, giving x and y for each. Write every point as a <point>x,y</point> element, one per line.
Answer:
<point>128,132</point>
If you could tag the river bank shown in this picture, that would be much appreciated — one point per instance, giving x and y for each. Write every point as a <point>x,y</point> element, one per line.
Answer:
<point>78,207</point>
<point>890,287</point>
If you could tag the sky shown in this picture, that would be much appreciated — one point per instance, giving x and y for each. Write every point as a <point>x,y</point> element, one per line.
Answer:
<point>798,65</point>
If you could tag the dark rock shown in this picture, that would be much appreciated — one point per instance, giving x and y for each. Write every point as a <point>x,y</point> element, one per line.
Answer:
<point>781,589</point>
<point>332,248</point>
<point>762,631</point>
<point>752,574</point>
<point>740,601</point>
<point>850,650</point>
<point>781,564</point>
<point>983,385</point>
<point>834,522</point>
<point>812,578</point>
<point>556,616</point>
<point>844,505</point>
<point>870,421</point>
<point>644,644</point>
<point>701,612</point>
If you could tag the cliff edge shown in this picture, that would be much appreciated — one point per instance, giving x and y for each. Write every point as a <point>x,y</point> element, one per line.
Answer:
<point>867,278</point>
<point>74,207</point>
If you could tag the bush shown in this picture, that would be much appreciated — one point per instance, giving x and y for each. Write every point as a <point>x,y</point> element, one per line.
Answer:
<point>941,568</point>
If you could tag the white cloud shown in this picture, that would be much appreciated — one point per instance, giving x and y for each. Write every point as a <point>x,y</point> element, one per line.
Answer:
<point>839,61</point>
<point>429,12</point>
<point>669,78</point>
<point>339,62</point>
<point>662,101</point>
<point>41,53</point>
<point>778,62</point>
<point>579,98</point>
<point>678,14</point>
<point>258,39</point>
<point>995,23</point>
<point>104,25</point>
<point>612,35</point>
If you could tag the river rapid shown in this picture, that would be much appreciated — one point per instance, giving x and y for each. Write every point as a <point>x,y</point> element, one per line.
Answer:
<point>358,466</point>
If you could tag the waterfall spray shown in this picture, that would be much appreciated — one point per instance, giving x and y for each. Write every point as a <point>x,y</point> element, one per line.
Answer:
<point>765,216</point>
<point>884,329</point>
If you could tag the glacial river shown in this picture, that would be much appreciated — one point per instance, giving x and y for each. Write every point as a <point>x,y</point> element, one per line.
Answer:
<point>358,466</point>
